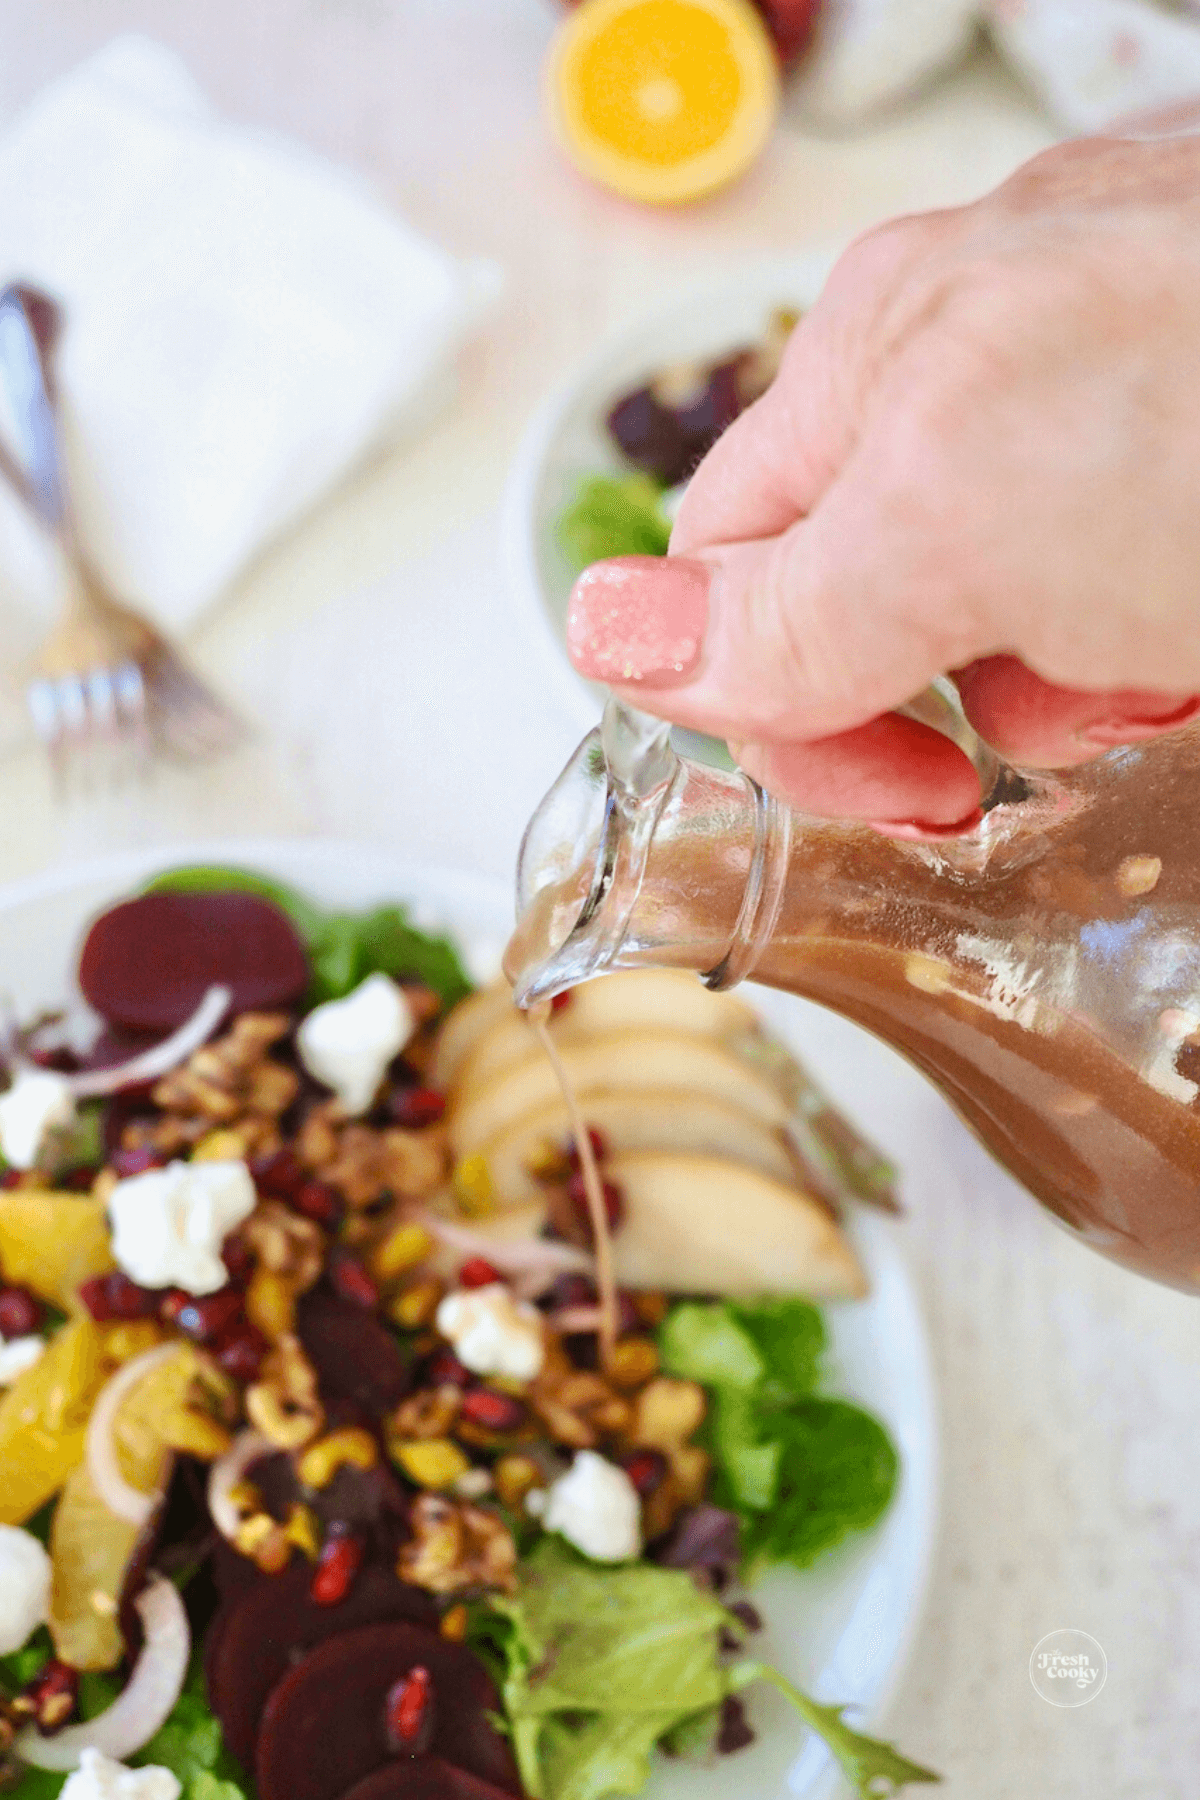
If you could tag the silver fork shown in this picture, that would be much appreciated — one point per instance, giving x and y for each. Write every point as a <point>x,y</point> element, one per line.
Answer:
<point>109,687</point>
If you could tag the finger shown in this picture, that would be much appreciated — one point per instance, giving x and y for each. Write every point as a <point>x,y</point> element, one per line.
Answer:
<point>1034,723</point>
<point>905,778</point>
<point>775,461</point>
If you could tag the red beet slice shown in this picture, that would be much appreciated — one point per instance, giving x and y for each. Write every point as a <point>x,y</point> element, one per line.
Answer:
<point>429,1778</point>
<point>357,1359</point>
<point>147,964</point>
<point>261,1635</point>
<point>323,1728</point>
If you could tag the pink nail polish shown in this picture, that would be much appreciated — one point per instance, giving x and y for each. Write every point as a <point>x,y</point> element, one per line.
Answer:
<point>1105,734</point>
<point>639,618</point>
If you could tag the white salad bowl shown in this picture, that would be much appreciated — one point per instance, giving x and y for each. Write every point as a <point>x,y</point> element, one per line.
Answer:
<point>566,440</point>
<point>844,1628</point>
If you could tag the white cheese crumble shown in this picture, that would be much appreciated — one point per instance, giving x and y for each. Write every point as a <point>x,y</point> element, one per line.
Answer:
<point>18,1354</point>
<point>595,1506</point>
<point>349,1043</point>
<point>168,1225</point>
<point>493,1333</point>
<point>24,1587</point>
<point>99,1778</point>
<point>38,1102</point>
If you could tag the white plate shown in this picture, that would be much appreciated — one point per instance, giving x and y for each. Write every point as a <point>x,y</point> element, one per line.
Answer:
<point>567,439</point>
<point>842,1629</point>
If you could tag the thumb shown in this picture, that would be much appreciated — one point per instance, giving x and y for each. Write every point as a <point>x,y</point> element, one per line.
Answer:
<point>788,654</point>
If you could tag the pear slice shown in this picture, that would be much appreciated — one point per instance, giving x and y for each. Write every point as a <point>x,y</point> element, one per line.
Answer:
<point>631,1000</point>
<point>463,1028</point>
<point>653,1119</point>
<point>626,1060</point>
<point>700,1225</point>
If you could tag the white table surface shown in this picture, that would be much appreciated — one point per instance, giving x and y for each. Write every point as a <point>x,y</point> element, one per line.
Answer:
<point>394,701</point>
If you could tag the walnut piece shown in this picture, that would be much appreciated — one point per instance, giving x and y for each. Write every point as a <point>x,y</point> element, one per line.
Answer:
<point>456,1546</point>
<point>283,1402</point>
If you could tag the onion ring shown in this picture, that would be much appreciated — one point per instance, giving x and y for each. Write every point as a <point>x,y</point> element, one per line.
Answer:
<point>162,1058</point>
<point>144,1702</point>
<point>226,1472</point>
<point>127,1502</point>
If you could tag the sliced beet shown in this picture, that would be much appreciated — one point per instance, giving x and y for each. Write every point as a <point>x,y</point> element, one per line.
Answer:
<point>356,1357</point>
<point>261,1635</point>
<point>147,964</point>
<point>429,1778</point>
<point>323,1728</point>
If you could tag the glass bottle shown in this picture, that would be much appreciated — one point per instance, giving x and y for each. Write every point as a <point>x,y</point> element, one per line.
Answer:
<point>1043,970</point>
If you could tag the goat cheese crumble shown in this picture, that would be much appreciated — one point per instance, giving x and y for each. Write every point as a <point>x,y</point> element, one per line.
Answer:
<point>493,1333</point>
<point>168,1225</point>
<point>38,1102</point>
<point>596,1507</point>
<point>99,1778</point>
<point>24,1587</point>
<point>348,1044</point>
<point>18,1354</point>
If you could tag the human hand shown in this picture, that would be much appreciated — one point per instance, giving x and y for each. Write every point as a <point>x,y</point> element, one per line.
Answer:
<point>981,454</point>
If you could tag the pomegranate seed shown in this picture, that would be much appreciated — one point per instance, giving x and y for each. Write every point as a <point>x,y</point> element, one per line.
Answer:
<point>599,1148</point>
<point>238,1259</point>
<point>77,1180</point>
<point>477,1272</point>
<point>560,1001</point>
<point>319,1202</point>
<point>116,1297</point>
<point>11,1178</point>
<point>242,1351</point>
<point>51,1697</point>
<point>416,1106</point>
<point>493,1411</point>
<point>749,1615</point>
<point>136,1161</point>
<point>278,1174</point>
<point>21,1313</point>
<point>61,1061</point>
<point>409,1711</point>
<point>445,1370</point>
<point>645,1469</point>
<point>351,1280</point>
<point>614,1202</point>
<point>735,1732</point>
<point>339,1562</point>
<point>204,1317</point>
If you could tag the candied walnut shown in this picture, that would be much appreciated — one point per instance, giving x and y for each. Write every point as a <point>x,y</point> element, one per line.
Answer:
<point>286,1243</point>
<point>365,1164</point>
<point>229,1085</point>
<point>456,1545</point>
<point>430,1413</point>
<point>577,1407</point>
<point>667,1412</point>
<point>283,1402</point>
<point>265,1542</point>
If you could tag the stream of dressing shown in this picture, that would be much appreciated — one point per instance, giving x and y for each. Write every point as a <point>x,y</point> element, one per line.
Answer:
<point>606,1281</point>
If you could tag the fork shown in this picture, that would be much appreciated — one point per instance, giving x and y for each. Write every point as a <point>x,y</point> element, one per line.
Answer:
<point>108,684</point>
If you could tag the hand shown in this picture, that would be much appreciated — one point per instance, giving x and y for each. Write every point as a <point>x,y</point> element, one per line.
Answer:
<point>981,454</point>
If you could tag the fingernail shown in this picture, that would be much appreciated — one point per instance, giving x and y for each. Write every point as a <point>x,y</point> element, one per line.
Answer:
<point>924,831</point>
<point>639,618</point>
<point>1105,734</point>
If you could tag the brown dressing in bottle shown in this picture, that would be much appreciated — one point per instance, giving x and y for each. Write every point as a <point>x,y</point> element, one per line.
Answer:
<point>1044,971</point>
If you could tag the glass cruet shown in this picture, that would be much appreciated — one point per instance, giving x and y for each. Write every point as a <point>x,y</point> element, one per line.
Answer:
<point>1043,970</point>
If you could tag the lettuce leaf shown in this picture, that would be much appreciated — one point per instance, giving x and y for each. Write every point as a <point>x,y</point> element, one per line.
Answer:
<point>601,1663</point>
<point>343,948</point>
<point>614,515</point>
<point>800,1470</point>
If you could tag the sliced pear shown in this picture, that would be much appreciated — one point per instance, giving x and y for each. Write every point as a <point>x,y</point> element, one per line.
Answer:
<point>463,1028</point>
<point>652,1119</point>
<point>700,1225</point>
<point>625,1060</point>
<point>631,1000</point>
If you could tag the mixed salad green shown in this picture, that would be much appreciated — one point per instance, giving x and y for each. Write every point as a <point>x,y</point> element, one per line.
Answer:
<point>386,1509</point>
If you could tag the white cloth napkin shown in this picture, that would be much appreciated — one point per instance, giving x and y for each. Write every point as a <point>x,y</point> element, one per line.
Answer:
<point>243,321</point>
<point>1090,61</point>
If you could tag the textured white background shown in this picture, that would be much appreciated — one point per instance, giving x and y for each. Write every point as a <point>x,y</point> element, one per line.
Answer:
<point>376,652</point>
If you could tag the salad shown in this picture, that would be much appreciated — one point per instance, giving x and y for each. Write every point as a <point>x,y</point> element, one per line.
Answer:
<point>660,430</point>
<point>315,1482</point>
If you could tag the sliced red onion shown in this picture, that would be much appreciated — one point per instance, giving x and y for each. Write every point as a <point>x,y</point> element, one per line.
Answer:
<point>572,1319</point>
<point>225,1474</point>
<point>127,1502</point>
<point>161,1058</point>
<point>144,1702</point>
<point>530,1263</point>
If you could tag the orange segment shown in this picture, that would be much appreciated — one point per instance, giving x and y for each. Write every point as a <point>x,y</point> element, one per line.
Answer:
<point>663,100</point>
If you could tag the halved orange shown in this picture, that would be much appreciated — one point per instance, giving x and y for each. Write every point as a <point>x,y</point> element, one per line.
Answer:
<point>663,100</point>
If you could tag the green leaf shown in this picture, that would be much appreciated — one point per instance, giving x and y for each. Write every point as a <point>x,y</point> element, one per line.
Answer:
<point>614,515</point>
<point>873,1768</point>
<point>191,1745</point>
<point>789,1335</point>
<point>343,948</point>
<point>707,1343</point>
<point>607,1754</point>
<point>19,1667</point>
<point>748,1460</point>
<point>837,1474</point>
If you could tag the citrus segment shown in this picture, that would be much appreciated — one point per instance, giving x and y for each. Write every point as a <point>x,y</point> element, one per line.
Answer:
<point>50,1242</point>
<point>43,1419</point>
<point>663,100</point>
<point>90,1550</point>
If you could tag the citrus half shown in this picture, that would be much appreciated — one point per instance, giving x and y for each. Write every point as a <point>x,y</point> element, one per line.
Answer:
<point>663,100</point>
